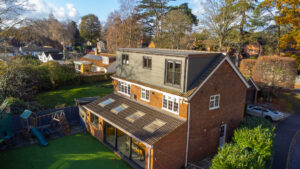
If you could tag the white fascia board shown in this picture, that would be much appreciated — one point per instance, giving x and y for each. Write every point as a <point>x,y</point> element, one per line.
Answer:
<point>257,88</point>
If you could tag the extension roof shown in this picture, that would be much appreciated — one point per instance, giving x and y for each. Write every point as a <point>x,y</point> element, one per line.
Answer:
<point>135,129</point>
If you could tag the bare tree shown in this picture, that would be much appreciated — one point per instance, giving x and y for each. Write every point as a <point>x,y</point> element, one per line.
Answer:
<point>219,18</point>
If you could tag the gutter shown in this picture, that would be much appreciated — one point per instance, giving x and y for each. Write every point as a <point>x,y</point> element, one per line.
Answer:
<point>187,136</point>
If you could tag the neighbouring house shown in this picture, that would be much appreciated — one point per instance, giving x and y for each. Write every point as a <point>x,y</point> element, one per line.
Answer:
<point>252,50</point>
<point>94,62</point>
<point>251,97</point>
<point>169,107</point>
<point>50,56</point>
<point>26,50</point>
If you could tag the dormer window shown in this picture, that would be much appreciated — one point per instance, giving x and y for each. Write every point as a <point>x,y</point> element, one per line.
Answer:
<point>147,62</point>
<point>125,59</point>
<point>173,72</point>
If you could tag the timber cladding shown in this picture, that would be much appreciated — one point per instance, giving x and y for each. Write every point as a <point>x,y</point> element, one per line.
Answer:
<point>205,123</point>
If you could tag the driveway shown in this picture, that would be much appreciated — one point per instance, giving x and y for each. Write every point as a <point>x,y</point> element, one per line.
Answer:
<point>295,155</point>
<point>285,132</point>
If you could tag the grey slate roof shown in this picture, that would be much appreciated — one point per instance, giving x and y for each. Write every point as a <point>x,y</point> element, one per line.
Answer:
<point>136,128</point>
<point>94,57</point>
<point>165,52</point>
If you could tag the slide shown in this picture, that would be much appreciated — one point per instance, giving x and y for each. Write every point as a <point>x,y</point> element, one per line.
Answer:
<point>39,136</point>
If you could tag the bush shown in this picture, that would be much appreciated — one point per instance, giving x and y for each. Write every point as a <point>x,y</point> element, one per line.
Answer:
<point>251,146</point>
<point>59,74</point>
<point>13,105</point>
<point>253,122</point>
<point>247,66</point>
<point>26,60</point>
<point>91,78</point>
<point>20,82</point>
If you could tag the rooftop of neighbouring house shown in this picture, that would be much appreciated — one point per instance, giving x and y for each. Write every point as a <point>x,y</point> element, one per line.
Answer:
<point>167,52</point>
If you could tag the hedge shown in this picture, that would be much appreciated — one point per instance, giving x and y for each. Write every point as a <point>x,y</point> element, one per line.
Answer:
<point>91,78</point>
<point>251,147</point>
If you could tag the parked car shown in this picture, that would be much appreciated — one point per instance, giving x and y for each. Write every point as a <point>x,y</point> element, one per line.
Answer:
<point>266,113</point>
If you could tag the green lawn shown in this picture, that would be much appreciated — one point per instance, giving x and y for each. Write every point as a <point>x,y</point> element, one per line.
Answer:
<point>79,151</point>
<point>67,94</point>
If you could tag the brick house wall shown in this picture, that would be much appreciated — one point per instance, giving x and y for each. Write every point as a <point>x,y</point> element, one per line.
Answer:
<point>205,123</point>
<point>155,98</point>
<point>170,151</point>
<point>97,132</point>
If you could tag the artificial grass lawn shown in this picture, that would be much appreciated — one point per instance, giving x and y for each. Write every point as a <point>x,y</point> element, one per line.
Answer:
<point>79,151</point>
<point>66,95</point>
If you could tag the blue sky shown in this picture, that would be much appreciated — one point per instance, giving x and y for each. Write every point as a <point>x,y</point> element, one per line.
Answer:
<point>74,9</point>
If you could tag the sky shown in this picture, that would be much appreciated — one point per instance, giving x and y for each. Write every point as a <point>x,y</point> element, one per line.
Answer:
<point>65,10</point>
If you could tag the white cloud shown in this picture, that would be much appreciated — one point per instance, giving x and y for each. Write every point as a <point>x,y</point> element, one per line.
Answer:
<point>42,9</point>
<point>197,7</point>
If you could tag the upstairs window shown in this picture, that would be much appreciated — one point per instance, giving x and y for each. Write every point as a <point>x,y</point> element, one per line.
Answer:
<point>214,102</point>
<point>170,103</point>
<point>105,60</point>
<point>125,59</point>
<point>124,88</point>
<point>147,62</point>
<point>173,72</point>
<point>145,94</point>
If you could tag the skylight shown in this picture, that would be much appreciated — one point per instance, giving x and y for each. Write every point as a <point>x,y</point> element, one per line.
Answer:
<point>106,102</point>
<point>116,110</point>
<point>133,117</point>
<point>155,125</point>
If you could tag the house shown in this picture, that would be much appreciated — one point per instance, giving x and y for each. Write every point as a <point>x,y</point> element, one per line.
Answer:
<point>49,56</point>
<point>252,50</point>
<point>94,62</point>
<point>169,107</point>
<point>251,97</point>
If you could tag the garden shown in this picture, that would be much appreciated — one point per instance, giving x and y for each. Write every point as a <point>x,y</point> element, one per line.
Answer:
<point>70,152</point>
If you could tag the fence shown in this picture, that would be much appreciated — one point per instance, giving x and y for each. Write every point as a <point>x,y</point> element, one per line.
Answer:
<point>72,114</point>
<point>90,78</point>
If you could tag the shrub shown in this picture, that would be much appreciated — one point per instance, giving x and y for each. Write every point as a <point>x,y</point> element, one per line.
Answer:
<point>91,78</point>
<point>19,81</point>
<point>251,146</point>
<point>253,122</point>
<point>26,60</point>
<point>13,105</point>
<point>231,156</point>
<point>59,74</point>
<point>247,66</point>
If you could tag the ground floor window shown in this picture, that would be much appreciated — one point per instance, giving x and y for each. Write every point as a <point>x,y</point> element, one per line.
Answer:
<point>110,134</point>
<point>94,120</point>
<point>123,143</point>
<point>138,152</point>
<point>128,146</point>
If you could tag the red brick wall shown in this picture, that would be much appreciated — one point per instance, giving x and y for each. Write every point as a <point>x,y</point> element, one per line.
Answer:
<point>169,152</point>
<point>96,132</point>
<point>205,123</point>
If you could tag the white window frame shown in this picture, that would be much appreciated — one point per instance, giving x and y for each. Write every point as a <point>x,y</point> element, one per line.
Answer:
<point>169,99</point>
<point>125,85</point>
<point>105,60</point>
<point>214,101</point>
<point>144,91</point>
